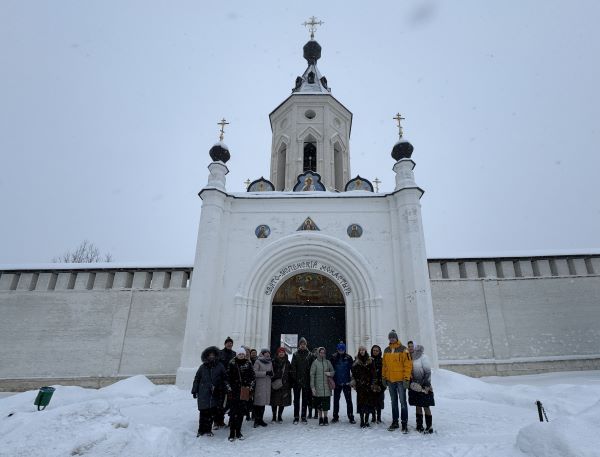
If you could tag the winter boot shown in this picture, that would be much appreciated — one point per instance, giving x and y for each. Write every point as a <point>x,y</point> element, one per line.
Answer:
<point>362,420</point>
<point>404,428</point>
<point>428,423</point>
<point>335,420</point>
<point>420,423</point>
<point>394,426</point>
<point>367,421</point>
<point>379,416</point>
<point>274,409</point>
<point>296,420</point>
<point>279,414</point>
<point>351,420</point>
<point>374,418</point>
<point>325,421</point>
<point>321,421</point>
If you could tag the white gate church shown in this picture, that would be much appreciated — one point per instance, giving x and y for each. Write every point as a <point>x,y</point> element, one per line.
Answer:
<point>313,251</point>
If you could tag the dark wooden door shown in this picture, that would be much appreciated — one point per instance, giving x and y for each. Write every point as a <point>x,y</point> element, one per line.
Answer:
<point>321,325</point>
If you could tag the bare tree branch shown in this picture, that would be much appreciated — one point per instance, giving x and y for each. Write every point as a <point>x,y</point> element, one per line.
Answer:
<point>86,252</point>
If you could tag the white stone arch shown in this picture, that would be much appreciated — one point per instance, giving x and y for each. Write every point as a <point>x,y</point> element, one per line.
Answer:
<point>253,303</point>
<point>279,162</point>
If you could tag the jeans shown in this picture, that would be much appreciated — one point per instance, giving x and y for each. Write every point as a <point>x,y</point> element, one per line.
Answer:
<point>397,390</point>
<point>336,400</point>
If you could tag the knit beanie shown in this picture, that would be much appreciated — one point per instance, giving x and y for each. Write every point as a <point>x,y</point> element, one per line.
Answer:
<point>264,350</point>
<point>302,340</point>
<point>393,334</point>
<point>240,350</point>
<point>341,347</point>
<point>228,340</point>
<point>281,349</point>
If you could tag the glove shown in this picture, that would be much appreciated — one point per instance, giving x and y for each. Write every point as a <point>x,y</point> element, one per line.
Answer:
<point>194,395</point>
<point>269,373</point>
<point>406,384</point>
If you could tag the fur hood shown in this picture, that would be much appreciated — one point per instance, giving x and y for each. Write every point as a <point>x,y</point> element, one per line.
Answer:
<point>208,350</point>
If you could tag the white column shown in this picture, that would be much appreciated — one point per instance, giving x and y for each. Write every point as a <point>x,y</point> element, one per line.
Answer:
<point>203,294</point>
<point>413,260</point>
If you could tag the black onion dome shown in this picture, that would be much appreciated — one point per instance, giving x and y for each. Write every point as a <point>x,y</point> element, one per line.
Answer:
<point>220,153</point>
<point>402,150</point>
<point>312,52</point>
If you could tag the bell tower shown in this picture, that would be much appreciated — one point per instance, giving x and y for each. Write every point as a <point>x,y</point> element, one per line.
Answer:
<point>310,129</point>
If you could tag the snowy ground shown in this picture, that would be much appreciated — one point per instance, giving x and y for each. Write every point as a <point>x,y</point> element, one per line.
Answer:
<point>473,417</point>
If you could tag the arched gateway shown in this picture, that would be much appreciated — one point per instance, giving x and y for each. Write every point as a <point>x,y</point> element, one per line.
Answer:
<point>335,261</point>
<point>308,305</point>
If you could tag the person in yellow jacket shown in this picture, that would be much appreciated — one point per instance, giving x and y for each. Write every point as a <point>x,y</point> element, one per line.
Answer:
<point>396,372</point>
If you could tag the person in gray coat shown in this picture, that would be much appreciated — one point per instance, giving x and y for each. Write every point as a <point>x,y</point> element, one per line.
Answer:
<point>321,384</point>
<point>263,371</point>
<point>209,389</point>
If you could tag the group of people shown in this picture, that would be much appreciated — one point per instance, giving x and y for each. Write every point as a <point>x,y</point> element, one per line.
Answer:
<point>243,383</point>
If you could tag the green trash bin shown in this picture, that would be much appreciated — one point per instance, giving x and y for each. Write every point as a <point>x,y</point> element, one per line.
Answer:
<point>43,397</point>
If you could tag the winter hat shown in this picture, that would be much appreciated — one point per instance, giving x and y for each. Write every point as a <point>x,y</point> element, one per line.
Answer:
<point>393,334</point>
<point>281,349</point>
<point>228,340</point>
<point>302,340</point>
<point>341,347</point>
<point>240,350</point>
<point>264,350</point>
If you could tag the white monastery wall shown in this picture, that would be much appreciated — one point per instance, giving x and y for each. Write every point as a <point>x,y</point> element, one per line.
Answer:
<point>492,316</point>
<point>90,327</point>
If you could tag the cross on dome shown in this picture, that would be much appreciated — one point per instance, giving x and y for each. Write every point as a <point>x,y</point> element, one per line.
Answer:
<point>398,117</point>
<point>312,26</point>
<point>223,123</point>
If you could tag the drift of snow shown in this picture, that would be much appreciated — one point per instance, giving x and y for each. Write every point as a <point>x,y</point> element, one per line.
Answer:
<point>484,417</point>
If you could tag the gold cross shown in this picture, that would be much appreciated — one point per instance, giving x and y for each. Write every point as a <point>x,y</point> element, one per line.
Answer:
<point>223,123</point>
<point>376,181</point>
<point>247,182</point>
<point>312,26</point>
<point>399,118</point>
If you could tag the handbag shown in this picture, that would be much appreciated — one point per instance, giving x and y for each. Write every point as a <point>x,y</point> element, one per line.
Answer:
<point>244,393</point>
<point>278,383</point>
<point>331,382</point>
<point>244,390</point>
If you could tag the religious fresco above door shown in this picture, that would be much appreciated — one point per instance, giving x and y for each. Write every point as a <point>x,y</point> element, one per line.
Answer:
<point>309,288</point>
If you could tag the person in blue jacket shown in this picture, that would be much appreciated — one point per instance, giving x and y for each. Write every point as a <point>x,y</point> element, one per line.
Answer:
<point>342,364</point>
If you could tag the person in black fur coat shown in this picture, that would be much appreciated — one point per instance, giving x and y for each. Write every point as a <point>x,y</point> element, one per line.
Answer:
<point>209,389</point>
<point>378,387</point>
<point>239,374</point>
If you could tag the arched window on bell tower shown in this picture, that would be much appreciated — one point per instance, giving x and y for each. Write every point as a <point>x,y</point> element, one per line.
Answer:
<point>338,167</point>
<point>310,156</point>
<point>281,161</point>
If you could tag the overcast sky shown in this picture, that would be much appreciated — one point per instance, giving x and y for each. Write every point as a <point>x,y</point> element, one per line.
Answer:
<point>108,110</point>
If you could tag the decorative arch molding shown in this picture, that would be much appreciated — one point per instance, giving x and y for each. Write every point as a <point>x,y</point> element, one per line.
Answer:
<point>281,141</point>
<point>336,138</point>
<point>303,252</point>
<point>310,131</point>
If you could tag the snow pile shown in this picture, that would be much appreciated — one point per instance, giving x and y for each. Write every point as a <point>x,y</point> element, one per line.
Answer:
<point>576,435</point>
<point>494,417</point>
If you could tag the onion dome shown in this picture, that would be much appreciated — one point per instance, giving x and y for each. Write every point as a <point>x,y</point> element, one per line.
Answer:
<point>219,152</point>
<point>402,150</point>
<point>312,52</point>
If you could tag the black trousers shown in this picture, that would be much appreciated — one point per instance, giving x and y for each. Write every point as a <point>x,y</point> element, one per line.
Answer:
<point>237,412</point>
<point>306,396</point>
<point>207,417</point>
<point>336,400</point>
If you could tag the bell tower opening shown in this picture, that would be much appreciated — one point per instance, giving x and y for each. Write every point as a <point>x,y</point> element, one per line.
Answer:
<point>308,305</point>
<point>281,162</point>
<point>310,157</point>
